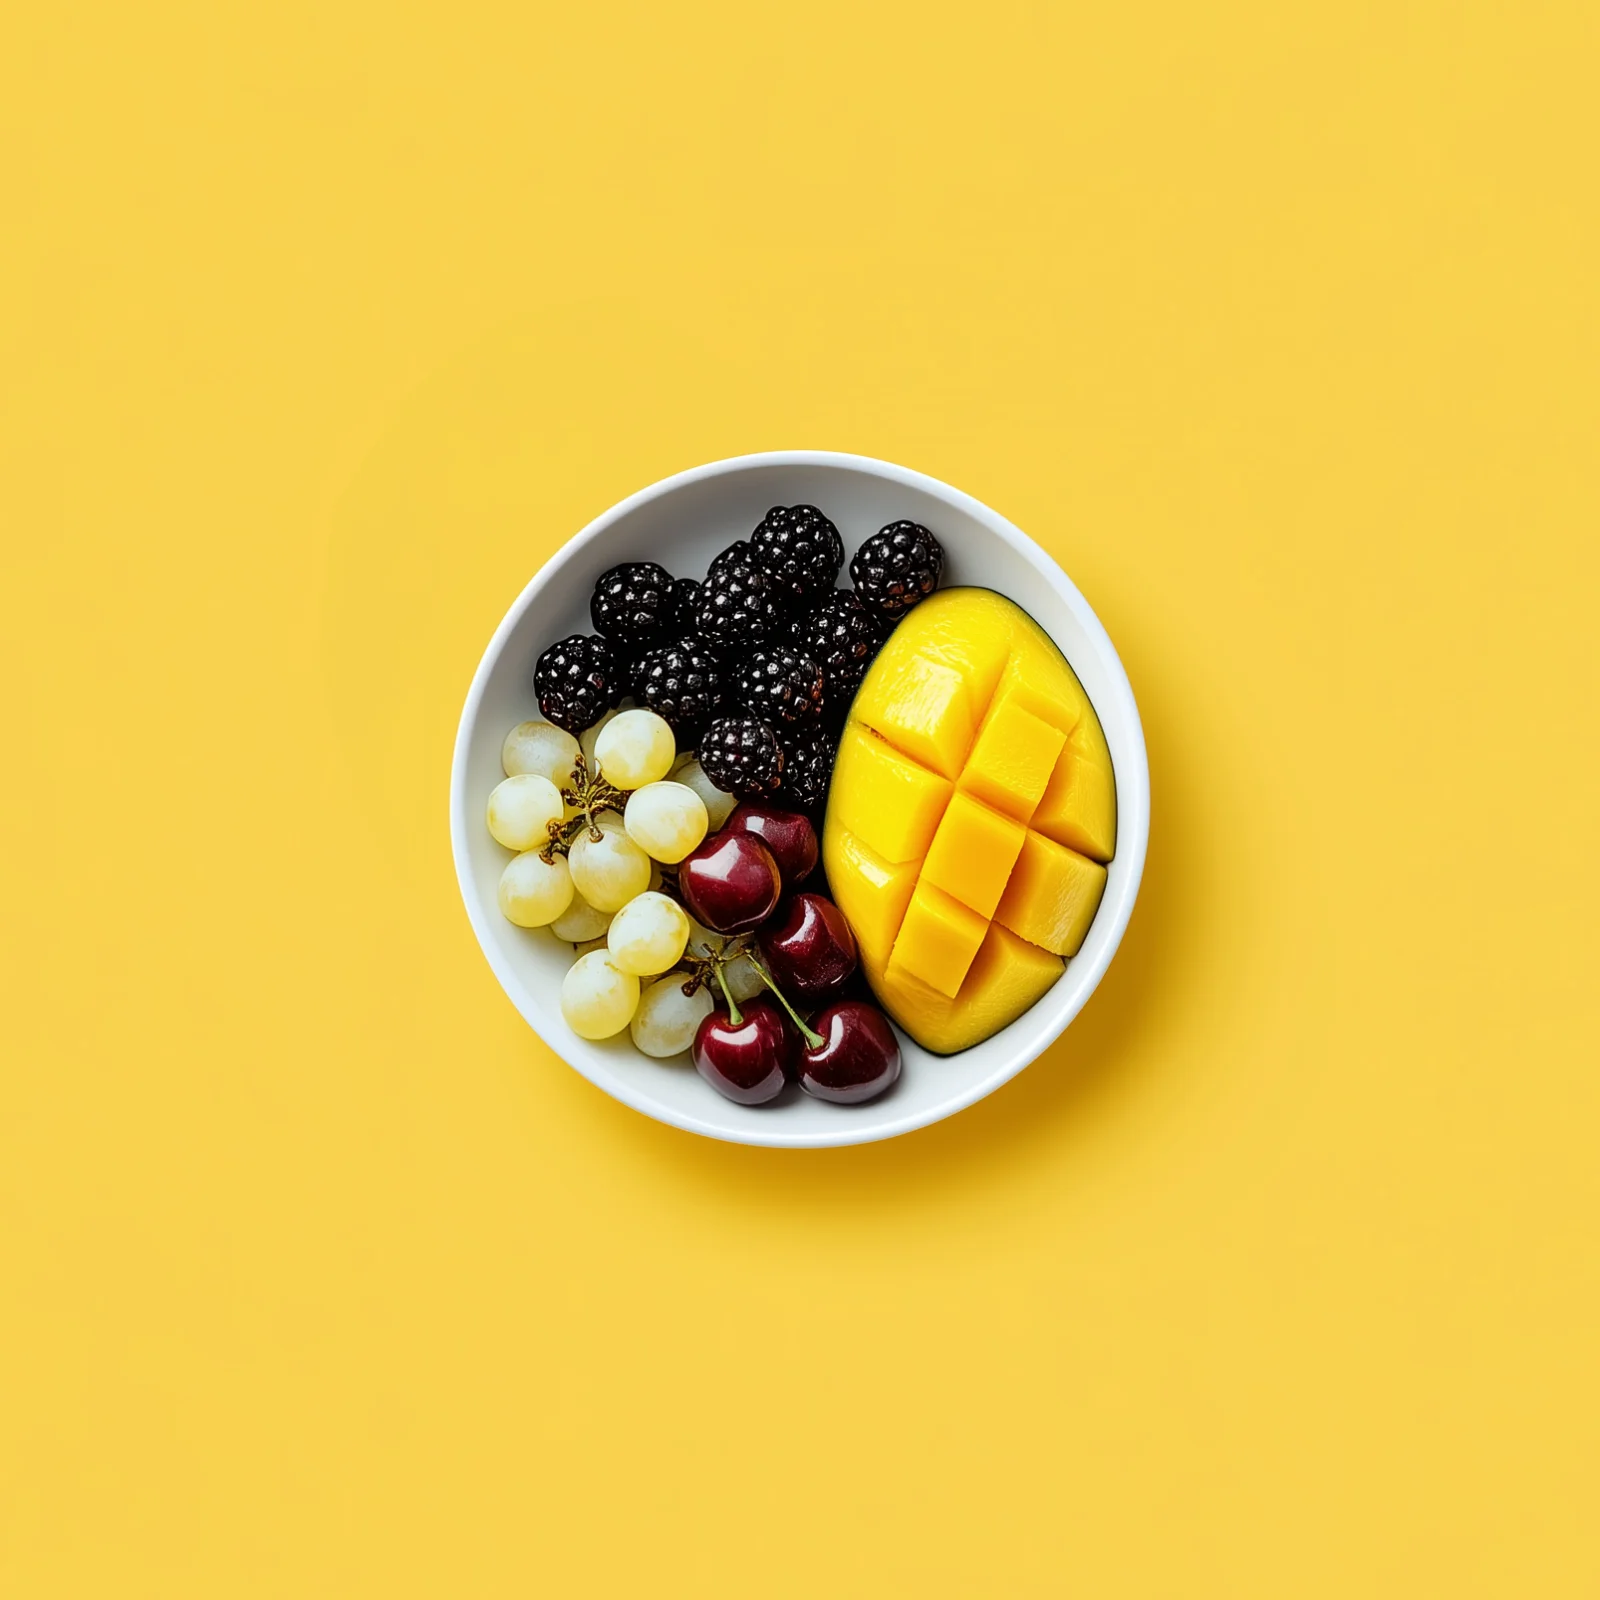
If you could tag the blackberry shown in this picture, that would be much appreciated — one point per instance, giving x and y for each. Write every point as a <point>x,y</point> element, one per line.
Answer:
<point>682,605</point>
<point>742,755</point>
<point>740,553</point>
<point>780,685</point>
<point>808,767</point>
<point>632,604</point>
<point>681,683</point>
<point>898,566</point>
<point>799,549</point>
<point>738,606</point>
<point>577,679</point>
<point>843,636</point>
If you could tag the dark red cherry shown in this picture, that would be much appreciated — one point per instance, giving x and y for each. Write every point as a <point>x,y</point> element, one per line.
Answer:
<point>809,948</point>
<point>859,1056</point>
<point>730,882</point>
<point>750,1060</point>
<point>787,834</point>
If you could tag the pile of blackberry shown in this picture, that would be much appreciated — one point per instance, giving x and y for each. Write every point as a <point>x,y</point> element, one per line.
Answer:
<point>755,665</point>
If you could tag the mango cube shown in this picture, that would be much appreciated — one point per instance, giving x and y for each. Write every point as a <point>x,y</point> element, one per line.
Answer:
<point>925,710</point>
<point>1052,897</point>
<point>871,892</point>
<point>1011,762</point>
<point>1006,976</point>
<point>938,939</point>
<point>1079,806</point>
<point>1039,681</point>
<point>889,803</point>
<point>973,638</point>
<point>972,853</point>
<point>1088,738</point>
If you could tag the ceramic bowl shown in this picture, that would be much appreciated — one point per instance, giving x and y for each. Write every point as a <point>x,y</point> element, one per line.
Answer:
<point>682,522</point>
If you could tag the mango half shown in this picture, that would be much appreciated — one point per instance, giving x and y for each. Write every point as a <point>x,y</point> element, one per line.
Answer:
<point>972,811</point>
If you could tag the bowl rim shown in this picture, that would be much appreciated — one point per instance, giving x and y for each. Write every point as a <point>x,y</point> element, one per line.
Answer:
<point>1133,801</point>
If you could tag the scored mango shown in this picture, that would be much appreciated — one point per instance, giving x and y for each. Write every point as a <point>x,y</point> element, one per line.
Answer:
<point>972,810</point>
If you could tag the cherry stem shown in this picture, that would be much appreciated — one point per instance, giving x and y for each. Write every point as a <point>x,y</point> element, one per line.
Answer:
<point>813,1040</point>
<point>735,1016</point>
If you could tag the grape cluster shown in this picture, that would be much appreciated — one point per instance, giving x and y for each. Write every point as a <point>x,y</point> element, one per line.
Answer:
<point>692,940</point>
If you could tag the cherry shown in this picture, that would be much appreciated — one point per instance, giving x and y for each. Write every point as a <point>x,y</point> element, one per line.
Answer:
<point>787,834</point>
<point>747,1054</point>
<point>730,882</point>
<point>809,948</point>
<point>858,1059</point>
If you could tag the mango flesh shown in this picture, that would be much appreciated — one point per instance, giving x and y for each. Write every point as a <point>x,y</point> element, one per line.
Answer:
<point>972,811</point>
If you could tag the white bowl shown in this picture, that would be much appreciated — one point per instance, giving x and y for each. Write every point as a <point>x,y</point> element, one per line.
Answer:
<point>682,522</point>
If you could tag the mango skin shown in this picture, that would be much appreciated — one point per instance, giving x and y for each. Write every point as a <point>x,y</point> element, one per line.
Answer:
<point>964,662</point>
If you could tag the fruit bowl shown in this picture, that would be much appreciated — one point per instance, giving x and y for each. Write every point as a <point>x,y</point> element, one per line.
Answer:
<point>682,522</point>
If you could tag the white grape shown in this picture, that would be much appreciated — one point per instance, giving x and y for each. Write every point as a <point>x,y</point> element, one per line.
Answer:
<point>534,892</point>
<point>648,935</point>
<point>719,803</point>
<point>635,748</point>
<point>580,922</point>
<point>740,977</point>
<point>666,820</point>
<point>586,739</point>
<point>610,871</point>
<point>596,999</point>
<point>542,748</point>
<point>521,809</point>
<point>667,1019</point>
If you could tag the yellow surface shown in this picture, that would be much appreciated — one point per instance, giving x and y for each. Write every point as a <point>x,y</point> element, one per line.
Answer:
<point>969,684</point>
<point>320,326</point>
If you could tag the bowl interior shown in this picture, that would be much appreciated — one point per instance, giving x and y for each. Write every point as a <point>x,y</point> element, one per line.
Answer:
<point>682,523</point>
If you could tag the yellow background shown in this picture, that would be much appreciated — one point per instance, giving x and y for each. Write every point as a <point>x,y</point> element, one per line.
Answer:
<point>321,326</point>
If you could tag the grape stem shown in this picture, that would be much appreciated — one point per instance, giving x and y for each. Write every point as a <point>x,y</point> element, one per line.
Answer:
<point>592,795</point>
